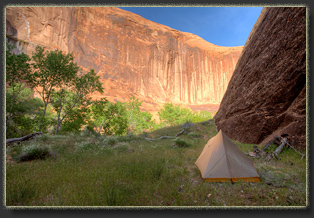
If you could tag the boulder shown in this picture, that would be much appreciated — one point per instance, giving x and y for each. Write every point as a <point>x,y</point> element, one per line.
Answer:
<point>266,95</point>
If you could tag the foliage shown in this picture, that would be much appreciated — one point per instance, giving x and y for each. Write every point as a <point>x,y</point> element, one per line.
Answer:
<point>138,120</point>
<point>193,135</point>
<point>33,151</point>
<point>181,143</point>
<point>65,101</point>
<point>23,112</point>
<point>116,122</point>
<point>17,70</point>
<point>171,115</point>
<point>119,118</point>
<point>52,70</point>
<point>56,79</point>
<point>75,120</point>
<point>97,115</point>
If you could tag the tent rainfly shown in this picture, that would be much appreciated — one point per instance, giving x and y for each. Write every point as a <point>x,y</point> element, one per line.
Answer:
<point>222,161</point>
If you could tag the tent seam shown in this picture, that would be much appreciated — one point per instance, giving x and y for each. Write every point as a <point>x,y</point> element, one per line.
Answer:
<point>227,157</point>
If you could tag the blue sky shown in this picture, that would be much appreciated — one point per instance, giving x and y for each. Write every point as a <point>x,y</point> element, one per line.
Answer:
<point>224,26</point>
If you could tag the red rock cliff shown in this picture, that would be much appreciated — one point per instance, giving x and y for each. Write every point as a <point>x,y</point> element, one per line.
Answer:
<point>267,92</point>
<point>132,55</point>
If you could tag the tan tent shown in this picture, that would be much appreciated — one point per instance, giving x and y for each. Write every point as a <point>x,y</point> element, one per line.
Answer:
<point>221,160</point>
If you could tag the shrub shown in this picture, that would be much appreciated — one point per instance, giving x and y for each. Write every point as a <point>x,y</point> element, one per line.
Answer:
<point>85,146</point>
<point>122,146</point>
<point>42,138</point>
<point>171,115</point>
<point>89,131</point>
<point>111,140</point>
<point>32,152</point>
<point>187,125</point>
<point>181,143</point>
<point>194,135</point>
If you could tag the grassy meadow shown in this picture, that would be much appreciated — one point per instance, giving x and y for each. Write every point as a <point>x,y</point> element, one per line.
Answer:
<point>86,170</point>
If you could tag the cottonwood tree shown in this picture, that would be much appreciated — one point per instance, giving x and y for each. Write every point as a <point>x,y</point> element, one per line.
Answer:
<point>52,70</point>
<point>75,94</point>
<point>17,70</point>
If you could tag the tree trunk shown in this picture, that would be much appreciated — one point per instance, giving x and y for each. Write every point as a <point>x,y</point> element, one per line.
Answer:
<point>29,136</point>
<point>100,129</point>
<point>59,121</point>
<point>44,114</point>
<point>11,108</point>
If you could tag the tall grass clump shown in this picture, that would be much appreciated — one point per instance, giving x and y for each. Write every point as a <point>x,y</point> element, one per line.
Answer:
<point>34,151</point>
<point>181,143</point>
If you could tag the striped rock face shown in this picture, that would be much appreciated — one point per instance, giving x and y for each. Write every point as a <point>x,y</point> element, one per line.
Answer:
<point>132,55</point>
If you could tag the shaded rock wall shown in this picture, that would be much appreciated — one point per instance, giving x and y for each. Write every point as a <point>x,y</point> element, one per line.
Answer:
<point>267,92</point>
<point>132,55</point>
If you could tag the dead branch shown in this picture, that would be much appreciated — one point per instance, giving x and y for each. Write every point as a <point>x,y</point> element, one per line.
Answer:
<point>282,142</point>
<point>180,133</point>
<point>24,138</point>
<point>166,137</point>
<point>162,137</point>
<point>296,150</point>
<point>276,140</point>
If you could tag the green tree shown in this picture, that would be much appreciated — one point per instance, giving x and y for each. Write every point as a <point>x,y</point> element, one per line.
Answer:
<point>17,70</point>
<point>75,120</point>
<point>97,114</point>
<point>75,95</point>
<point>52,70</point>
<point>23,112</point>
<point>173,114</point>
<point>116,122</point>
<point>138,120</point>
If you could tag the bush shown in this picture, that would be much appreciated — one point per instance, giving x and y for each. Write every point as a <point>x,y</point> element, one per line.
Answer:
<point>194,135</point>
<point>89,131</point>
<point>122,146</point>
<point>171,115</point>
<point>42,138</point>
<point>85,146</point>
<point>111,140</point>
<point>32,152</point>
<point>181,143</point>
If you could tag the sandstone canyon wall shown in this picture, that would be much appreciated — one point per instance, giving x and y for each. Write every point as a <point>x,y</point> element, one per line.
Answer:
<point>132,55</point>
<point>267,92</point>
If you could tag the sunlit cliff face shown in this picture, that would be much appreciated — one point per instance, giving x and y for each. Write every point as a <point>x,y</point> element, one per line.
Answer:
<point>132,55</point>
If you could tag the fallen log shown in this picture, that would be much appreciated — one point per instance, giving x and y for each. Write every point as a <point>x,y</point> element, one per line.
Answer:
<point>282,142</point>
<point>24,138</point>
<point>280,147</point>
<point>180,133</point>
<point>276,140</point>
<point>162,137</point>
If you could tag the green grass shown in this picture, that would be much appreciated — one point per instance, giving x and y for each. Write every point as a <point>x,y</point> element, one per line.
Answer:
<point>132,171</point>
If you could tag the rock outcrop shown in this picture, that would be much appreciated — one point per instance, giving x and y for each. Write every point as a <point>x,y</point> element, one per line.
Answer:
<point>267,92</point>
<point>132,55</point>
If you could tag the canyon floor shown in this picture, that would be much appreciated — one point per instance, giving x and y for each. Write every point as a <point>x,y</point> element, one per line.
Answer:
<point>133,171</point>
